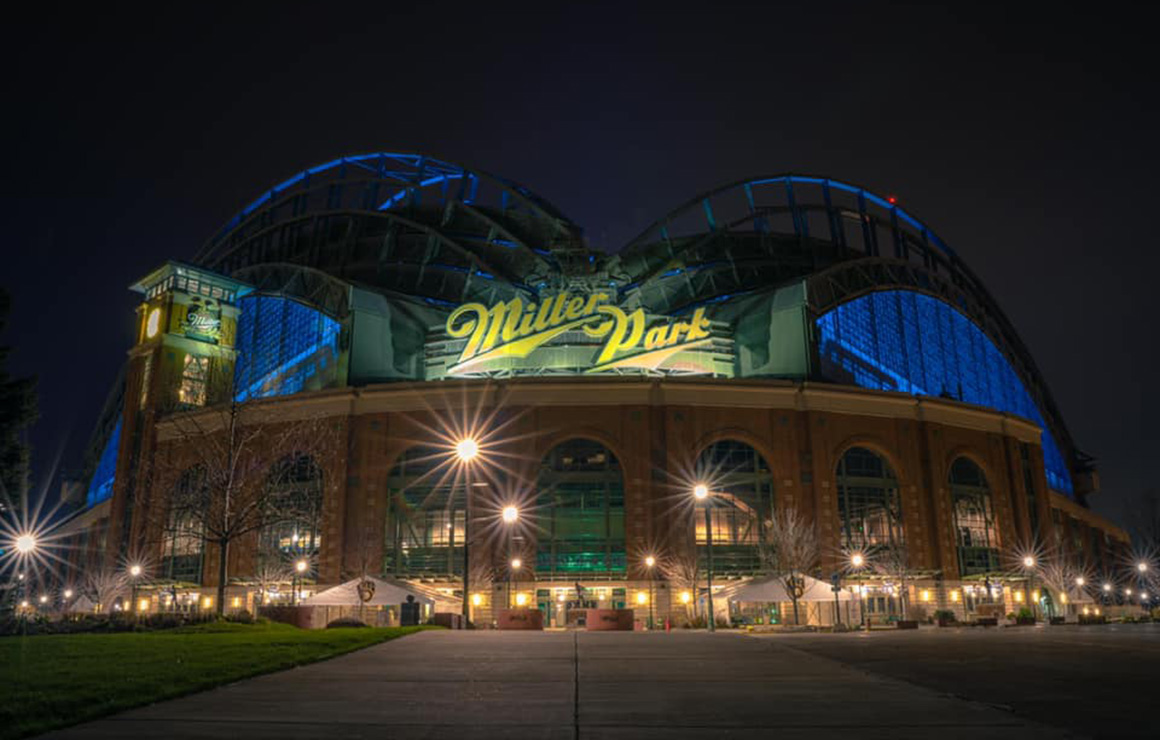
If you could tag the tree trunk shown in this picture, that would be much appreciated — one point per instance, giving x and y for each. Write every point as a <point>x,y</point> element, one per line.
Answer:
<point>224,550</point>
<point>797,622</point>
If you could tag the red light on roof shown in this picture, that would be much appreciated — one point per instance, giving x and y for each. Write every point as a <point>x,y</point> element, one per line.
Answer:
<point>892,199</point>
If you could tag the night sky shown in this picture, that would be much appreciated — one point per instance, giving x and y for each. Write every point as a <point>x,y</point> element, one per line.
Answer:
<point>1028,142</point>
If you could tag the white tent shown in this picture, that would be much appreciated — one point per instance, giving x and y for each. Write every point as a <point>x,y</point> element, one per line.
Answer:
<point>771,589</point>
<point>82,605</point>
<point>386,593</point>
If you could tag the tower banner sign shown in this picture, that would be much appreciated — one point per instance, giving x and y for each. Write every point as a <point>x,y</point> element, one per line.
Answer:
<point>569,333</point>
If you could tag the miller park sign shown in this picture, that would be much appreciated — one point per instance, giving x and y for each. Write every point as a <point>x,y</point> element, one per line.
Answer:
<point>572,333</point>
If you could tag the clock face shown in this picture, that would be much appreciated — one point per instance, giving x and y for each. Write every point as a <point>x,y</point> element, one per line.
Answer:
<point>153,323</point>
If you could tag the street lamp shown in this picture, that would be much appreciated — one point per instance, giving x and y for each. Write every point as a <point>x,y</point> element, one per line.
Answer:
<point>26,544</point>
<point>857,562</point>
<point>1079,581</point>
<point>516,564</point>
<point>135,573</point>
<point>299,570</point>
<point>466,450</point>
<point>511,515</point>
<point>1029,566</point>
<point>701,493</point>
<point>649,562</point>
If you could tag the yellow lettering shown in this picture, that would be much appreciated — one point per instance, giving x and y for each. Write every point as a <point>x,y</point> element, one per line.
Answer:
<point>541,322</point>
<point>575,308</point>
<point>626,332</point>
<point>593,299</point>
<point>698,327</point>
<point>558,310</point>
<point>474,324</point>
<point>526,323</point>
<point>655,337</point>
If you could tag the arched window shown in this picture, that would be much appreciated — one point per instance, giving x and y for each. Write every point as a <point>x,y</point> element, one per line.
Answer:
<point>868,503</point>
<point>183,542</point>
<point>974,523</point>
<point>740,505</point>
<point>580,512</point>
<point>294,499</point>
<point>426,515</point>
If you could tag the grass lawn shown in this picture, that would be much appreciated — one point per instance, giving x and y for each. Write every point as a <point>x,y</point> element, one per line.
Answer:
<point>56,680</point>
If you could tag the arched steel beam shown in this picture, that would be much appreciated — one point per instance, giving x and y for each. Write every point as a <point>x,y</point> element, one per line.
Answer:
<point>418,172</point>
<point>470,256</point>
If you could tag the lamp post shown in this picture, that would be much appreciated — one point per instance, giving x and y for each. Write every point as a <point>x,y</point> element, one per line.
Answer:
<point>1029,566</point>
<point>466,450</point>
<point>649,562</point>
<point>701,493</point>
<point>299,571</point>
<point>857,561</point>
<point>134,574</point>
<point>515,566</point>
<point>511,515</point>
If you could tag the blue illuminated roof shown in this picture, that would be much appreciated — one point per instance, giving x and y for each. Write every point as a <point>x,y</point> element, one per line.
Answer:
<point>282,345</point>
<point>900,340</point>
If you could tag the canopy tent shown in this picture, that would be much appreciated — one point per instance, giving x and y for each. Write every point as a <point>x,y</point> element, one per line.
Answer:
<point>82,605</point>
<point>386,593</point>
<point>771,589</point>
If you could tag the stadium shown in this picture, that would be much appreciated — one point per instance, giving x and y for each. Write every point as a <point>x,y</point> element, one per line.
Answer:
<point>435,357</point>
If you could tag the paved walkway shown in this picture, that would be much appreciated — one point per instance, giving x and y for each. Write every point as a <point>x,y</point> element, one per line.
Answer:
<point>568,685</point>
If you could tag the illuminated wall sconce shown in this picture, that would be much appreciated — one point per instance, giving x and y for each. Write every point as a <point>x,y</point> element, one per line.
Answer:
<point>236,602</point>
<point>926,594</point>
<point>521,599</point>
<point>641,598</point>
<point>207,602</point>
<point>143,605</point>
<point>1035,596</point>
<point>1018,597</point>
<point>686,597</point>
<point>476,599</point>
<point>955,596</point>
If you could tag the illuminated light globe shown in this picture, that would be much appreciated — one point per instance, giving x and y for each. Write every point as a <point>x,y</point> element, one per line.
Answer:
<point>68,593</point>
<point>1028,562</point>
<point>1142,566</point>
<point>466,449</point>
<point>857,560</point>
<point>1107,587</point>
<point>516,563</point>
<point>1079,581</point>
<point>135,571</point>
<point>700,491</point>
<point>650,561</point>
<point>300,566</point>
<point>25,544</point>
<point>510,514</point>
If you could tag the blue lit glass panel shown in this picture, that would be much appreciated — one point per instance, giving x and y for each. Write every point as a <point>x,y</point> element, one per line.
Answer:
<point>906,341</point>
<point>282,346</point>
<point>101,485</point>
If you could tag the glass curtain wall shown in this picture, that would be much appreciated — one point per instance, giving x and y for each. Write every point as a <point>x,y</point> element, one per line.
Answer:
<point>183,542</point>
<point>741,503</point>
<point>974,519</point>
<point>868,503</point>
<point>580,513</point>
<point>295,496</point>
<point>426,517</point>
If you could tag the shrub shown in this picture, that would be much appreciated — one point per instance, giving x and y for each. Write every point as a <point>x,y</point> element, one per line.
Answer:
<point>1024,613</point>
<point>346,622</point>
<point>241,617</point>
<point>946,615</point>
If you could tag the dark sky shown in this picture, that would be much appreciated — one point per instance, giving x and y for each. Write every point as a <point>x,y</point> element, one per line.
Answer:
<point>1028,141</point>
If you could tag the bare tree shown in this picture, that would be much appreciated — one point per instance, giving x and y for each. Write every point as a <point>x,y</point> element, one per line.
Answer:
<point>683,570</point>
<point>104,586</point>
<point>894,562</point>
<point>791,550</point>
<point>230,478</point>
<point>267,576</point>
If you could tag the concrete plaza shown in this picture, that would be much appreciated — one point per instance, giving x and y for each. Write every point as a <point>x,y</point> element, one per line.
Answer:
<point>1000,683</point>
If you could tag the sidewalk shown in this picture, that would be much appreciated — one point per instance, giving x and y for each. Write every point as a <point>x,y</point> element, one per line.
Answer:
<point>568,685</point>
